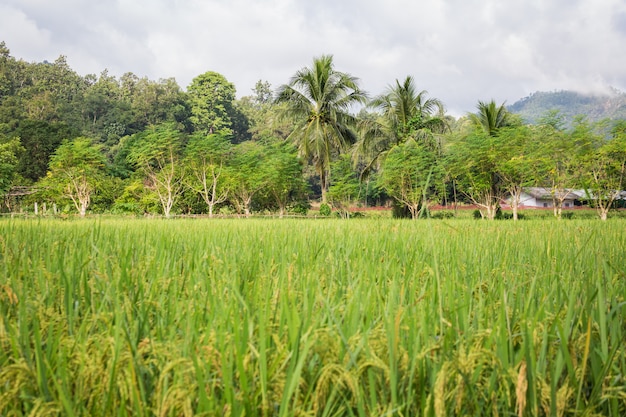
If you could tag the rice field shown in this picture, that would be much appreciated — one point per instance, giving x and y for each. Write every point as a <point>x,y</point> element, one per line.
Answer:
<point>261,317</point>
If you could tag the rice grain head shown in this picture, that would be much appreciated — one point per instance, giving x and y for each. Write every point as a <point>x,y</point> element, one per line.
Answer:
<point>520,390</point>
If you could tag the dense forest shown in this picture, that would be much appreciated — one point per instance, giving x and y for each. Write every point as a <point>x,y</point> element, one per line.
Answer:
<point>102,144</point>
<point>596,107</point>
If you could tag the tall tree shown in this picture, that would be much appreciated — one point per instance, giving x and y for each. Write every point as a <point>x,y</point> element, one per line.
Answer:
<point>40,139</point>
<point>605,169</point>
<point>211,98</point>
<point>473,163</point>
<point>405,113</point>
<point>283,172</point>
<point>156,152</point>
<point>346,186</point>
<point>9,148</point>
<point>248,175</point>
<point>559,161</point>
<point>410,174</point>
<point>516,163</point>
<point>319,100</point>
<point>76,168</point>
<point>206,158</point>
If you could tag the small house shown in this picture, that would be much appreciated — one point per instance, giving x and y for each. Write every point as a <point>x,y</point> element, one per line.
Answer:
<point>540,197</point>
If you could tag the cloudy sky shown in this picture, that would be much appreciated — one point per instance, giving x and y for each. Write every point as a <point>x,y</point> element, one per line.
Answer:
<point>460,51</point>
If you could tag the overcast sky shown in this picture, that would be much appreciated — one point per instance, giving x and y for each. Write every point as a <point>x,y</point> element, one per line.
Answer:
<point>460,51</point>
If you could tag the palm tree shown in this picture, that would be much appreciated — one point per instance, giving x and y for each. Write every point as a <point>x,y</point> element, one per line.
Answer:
<point>404,114</point>
<point>318,100</point>
<point>490,118</point>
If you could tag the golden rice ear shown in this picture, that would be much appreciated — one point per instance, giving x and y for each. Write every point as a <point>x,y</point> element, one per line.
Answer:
<point>520,390</point>
<point>440,393</point>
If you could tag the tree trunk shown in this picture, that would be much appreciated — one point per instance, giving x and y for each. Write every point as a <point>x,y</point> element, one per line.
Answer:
<point>83,208</point>
<point>515,200</point>
<point>324,179</point>
<point>604,214</point>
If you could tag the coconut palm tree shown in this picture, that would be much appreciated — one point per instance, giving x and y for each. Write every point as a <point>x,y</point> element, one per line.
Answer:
<point>490,117</point>
<point>404,114</point>
<point>318,101</point>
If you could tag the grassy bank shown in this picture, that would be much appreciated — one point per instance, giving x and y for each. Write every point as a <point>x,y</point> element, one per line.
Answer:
<point>309,317</point>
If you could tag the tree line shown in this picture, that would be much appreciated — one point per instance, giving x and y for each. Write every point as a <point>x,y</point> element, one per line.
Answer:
<point>133,145</point>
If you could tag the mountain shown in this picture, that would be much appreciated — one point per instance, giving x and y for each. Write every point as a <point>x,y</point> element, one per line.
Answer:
<point>570,104</point>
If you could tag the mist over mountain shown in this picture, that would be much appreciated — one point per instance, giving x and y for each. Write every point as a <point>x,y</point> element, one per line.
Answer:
<point>570,104</point>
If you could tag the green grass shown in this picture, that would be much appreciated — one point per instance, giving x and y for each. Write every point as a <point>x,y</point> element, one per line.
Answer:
<point>312,317</point>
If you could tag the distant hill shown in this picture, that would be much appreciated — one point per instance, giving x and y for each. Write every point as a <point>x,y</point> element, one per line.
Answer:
<point>571,104</point>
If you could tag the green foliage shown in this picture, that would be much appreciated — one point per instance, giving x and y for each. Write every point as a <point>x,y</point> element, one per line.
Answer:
<point>490,117</point>
<point>346,187</point>
<point>77,169</point>
<point>409,175</point>
<point>472,161</point>
<point>206,159</point>
<point>405,114</point>
<point>9,149</point>
<point>607,165</point>
<point>211,97</point>
<point>284,183</point>
<point>570,104</point>
<point>247,176</point>
<point>40,139</point>
<point>442,214</point>
<point>318,101</point>
<point>156,152</point>
<point>300,207</point>
<point>325,210</point>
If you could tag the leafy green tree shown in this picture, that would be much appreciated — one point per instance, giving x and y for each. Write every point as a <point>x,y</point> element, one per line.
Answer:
<point>346,187</point>
<point>283,176</point>
<point>559,161</point>
<point>206,158</point>
<point>483,162</point>
<point>404,113</point>
<point>472,161</point>
<point>517,161</point>
<point>262,93</point>
<point>247,175</point>
<point>76,169</point>
<point>606,170</point>
<point>410,173</point>
<point>319,100</point>
<point>262,114</point>
<point>9,149</point>
<point>151,102</point>
<point>106,114</point>
<point>156,152</point>
<point>211,99</point>
<point>40,139</point>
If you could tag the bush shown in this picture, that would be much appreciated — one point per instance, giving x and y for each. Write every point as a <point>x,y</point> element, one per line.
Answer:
<point>299,207</point>
<point>444,214</point>
<point>325,210</point>
<point>400,211</point>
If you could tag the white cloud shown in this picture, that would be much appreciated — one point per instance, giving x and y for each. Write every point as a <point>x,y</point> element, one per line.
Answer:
<point>461,51</point>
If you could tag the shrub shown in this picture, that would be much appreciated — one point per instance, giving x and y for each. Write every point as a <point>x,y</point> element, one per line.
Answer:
<point>444,214</point>
<point>400,211</point>
<point>325,210</point>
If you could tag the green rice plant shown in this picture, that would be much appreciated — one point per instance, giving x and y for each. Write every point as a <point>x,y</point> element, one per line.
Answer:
<point>269,317</point>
